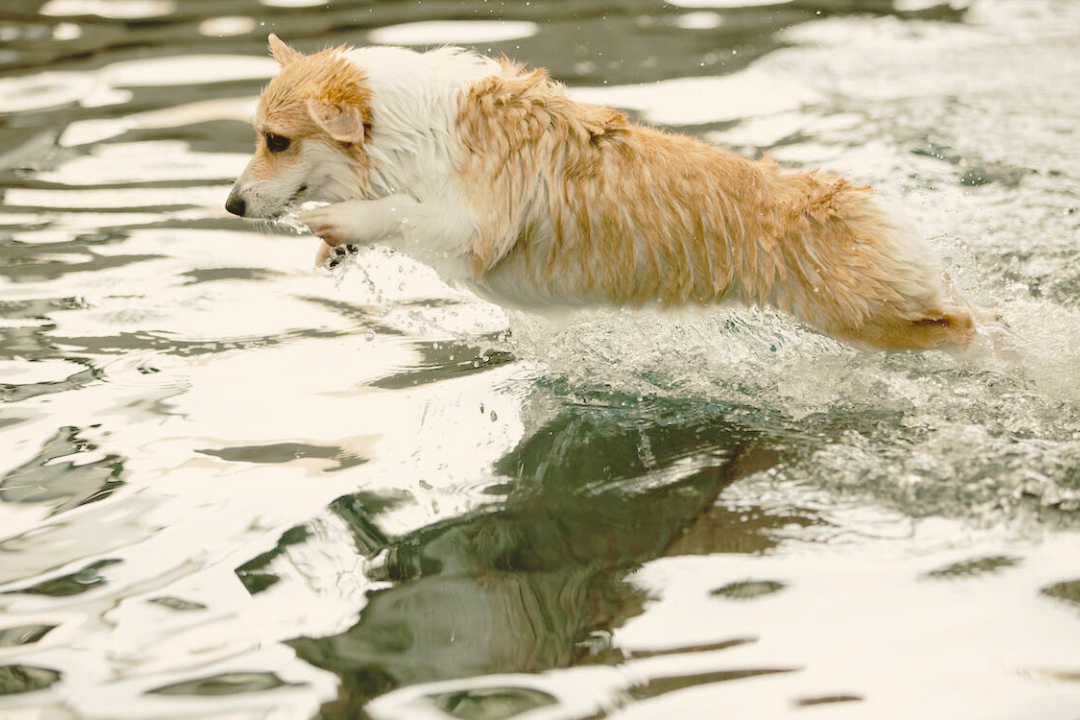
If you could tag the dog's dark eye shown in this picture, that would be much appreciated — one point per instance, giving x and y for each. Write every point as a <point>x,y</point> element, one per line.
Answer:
<point>277,143</point>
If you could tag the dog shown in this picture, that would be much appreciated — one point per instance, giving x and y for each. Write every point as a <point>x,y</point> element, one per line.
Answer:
<point>495,177</point>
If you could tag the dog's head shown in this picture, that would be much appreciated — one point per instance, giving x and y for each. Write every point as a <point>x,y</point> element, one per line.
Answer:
<point>311,125</point>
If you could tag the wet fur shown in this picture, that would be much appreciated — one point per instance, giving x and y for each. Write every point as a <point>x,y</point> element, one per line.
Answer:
<point>494,176</point>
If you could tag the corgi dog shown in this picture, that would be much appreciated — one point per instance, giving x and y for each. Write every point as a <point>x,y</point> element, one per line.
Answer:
<point>494,176</point>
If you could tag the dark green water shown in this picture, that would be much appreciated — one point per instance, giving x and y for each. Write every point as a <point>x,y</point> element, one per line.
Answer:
<point>232,487</point>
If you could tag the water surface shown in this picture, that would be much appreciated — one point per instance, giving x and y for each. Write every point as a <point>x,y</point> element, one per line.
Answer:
<point>231,486</point>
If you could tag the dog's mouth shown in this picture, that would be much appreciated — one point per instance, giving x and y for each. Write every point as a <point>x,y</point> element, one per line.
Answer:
<point>294,201</point>
<point>287,208</point>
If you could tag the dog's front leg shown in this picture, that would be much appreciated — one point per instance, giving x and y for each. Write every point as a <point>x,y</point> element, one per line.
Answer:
<point>361,221</point>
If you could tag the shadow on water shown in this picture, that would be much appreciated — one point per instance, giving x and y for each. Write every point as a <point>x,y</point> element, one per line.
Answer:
<point>63,485</point>
<point>538,581</point>
<point>16,679</point>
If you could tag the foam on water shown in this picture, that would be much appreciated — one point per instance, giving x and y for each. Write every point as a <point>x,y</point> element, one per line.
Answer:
<point>978,434</point>
<point>991,433</point>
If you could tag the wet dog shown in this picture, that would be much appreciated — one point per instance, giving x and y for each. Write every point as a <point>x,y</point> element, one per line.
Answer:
<point>494,176</point>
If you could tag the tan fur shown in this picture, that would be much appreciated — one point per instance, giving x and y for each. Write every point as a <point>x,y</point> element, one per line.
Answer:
<point>582,203</point>
<point>570,204</point>
<point>313,99</point>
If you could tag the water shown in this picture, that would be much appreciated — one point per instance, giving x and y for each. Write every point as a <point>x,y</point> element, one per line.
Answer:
<point>232,487</point>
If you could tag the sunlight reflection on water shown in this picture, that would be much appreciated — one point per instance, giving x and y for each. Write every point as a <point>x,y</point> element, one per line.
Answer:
<point>233,487</point>
<point>470,32</point>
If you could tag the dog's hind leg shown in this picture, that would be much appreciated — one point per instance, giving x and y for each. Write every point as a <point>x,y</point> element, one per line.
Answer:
<point>838,261</point>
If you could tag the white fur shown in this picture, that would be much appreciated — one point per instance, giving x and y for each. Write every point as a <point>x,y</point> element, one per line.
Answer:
<point>410,203</point>
<point>415,101</point>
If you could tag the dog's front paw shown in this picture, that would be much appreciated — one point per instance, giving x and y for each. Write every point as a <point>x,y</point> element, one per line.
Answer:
<point>326,222</point>
<point>330,256</point>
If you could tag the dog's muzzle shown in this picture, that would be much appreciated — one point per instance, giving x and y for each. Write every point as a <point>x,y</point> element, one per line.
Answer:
<point>236,204</point>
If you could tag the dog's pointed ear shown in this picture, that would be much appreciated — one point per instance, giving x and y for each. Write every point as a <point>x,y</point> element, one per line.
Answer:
<point>282,52</point>
<point>344,123</point>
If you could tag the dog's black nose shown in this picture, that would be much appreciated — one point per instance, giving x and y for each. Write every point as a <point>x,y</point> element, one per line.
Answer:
<point>236,205</point>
